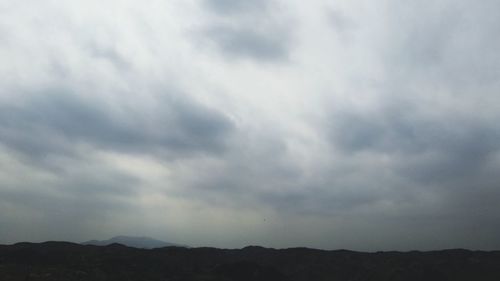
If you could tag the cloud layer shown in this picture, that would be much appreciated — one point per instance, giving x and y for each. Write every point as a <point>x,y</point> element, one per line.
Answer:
<point>361,125</point>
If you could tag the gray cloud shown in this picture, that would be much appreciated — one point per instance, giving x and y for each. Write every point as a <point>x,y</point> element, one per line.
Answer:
<point>341,24</point>
<point>61,119</point>
<point>451,43</point>
<point>225,7</point>
<point>74,200</point>
<point>430,133</point>
<point>387,142</point>
<point>248,29</point>
<point>249,43</point>
<point>59,133</point>
<point>427,149</point>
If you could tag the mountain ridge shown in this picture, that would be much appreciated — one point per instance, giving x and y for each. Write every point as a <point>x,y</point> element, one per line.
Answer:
<point>67,261</point>
<point>141,242</point>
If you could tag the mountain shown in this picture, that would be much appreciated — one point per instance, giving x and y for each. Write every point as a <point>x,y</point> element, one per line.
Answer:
<point>63,261</point>
<point>131,241</point>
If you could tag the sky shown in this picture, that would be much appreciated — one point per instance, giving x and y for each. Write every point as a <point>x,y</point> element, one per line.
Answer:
<point>363,125</point>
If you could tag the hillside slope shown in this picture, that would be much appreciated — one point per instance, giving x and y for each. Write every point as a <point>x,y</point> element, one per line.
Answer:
<point>131,241</point>
<point>67,261</point>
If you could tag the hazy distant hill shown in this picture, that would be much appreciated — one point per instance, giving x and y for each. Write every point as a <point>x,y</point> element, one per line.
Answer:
<point>131,241</point>
<point>62,261</point>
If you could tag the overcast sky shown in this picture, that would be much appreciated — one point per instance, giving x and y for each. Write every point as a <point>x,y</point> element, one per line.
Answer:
<point>366,125</point>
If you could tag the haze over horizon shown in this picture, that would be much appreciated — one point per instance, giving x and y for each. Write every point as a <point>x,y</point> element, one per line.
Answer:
<point>361,125</point>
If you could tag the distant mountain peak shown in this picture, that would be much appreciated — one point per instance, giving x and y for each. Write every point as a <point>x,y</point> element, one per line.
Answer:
<point>132,241</point>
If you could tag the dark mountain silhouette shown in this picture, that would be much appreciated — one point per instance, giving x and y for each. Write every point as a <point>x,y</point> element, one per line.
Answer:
<point>131,241</point>
<point>67,261</point>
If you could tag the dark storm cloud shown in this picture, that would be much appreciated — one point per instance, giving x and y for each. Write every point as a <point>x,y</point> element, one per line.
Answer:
<point>60,119</point>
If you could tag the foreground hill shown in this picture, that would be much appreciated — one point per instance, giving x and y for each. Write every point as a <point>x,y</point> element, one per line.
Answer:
<point>67,261</point>
<point>131,241</point>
